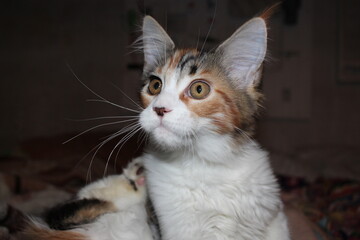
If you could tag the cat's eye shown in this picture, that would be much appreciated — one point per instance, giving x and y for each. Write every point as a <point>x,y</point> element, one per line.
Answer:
<point>155,86</point>
<point>199,90</point>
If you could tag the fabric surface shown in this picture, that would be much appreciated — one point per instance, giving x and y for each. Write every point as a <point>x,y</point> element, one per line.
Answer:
<point>43,172</point>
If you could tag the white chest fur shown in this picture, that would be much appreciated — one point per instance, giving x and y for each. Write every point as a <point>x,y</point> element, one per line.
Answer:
<point>235,199</point>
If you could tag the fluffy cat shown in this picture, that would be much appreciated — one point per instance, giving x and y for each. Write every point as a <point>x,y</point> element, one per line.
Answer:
<point>206,177</point>
<point>112,208</point>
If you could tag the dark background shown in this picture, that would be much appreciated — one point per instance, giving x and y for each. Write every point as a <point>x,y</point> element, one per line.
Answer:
<point>311,81</point>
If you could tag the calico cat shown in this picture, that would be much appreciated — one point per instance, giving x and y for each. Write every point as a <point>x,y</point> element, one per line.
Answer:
<point>206,177</point>
<point>112,208</point>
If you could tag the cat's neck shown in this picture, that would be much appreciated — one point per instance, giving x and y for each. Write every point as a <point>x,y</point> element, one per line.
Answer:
<point>211,149</point>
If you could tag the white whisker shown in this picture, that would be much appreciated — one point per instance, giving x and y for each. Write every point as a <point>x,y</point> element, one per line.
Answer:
<point>113,104</point>
<point>136,104</point>
<point>210,28</point>
<point>97,147</point>
<point>100,145</point>
<point>100,118</point>
<point>244,134</point>
<point>144,134</point>
<point>101,125</point>
<point>122,142</point>
<point>121,131</point>
<point>198,39</point>
<point>88,88</point>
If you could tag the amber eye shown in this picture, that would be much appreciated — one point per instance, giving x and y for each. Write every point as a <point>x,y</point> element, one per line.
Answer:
<point>199,90</point>
<point>155,86</point>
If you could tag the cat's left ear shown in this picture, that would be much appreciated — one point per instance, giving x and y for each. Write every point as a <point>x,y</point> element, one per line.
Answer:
<point>243,53</point>
<point>157,44</point>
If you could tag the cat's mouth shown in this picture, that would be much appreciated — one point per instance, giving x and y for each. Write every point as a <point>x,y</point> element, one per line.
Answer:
<point>163,130</point>
<point>163,127</point>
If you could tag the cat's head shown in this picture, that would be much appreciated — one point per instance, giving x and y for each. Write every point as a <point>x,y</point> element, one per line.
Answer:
<point>188,94</point>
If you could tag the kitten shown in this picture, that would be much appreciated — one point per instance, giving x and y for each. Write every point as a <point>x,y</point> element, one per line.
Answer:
<point>206,177</point>
<point>107,209</point>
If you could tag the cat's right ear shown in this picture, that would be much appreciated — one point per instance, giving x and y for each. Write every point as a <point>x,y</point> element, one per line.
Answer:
<point>157,44</point>
<point>243,53</point>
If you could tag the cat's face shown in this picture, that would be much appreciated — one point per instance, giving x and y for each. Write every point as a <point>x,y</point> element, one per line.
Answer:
<point>186,98</point>
<point>189,94</point>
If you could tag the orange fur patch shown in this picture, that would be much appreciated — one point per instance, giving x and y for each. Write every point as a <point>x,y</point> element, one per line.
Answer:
<point>219,102</point>
<point>145,99</point>
<point>32,232</point>
<point>267,13</point>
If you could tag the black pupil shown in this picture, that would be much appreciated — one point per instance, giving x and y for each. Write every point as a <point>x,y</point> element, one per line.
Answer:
<point>199,89</point>
<point>156,85</point>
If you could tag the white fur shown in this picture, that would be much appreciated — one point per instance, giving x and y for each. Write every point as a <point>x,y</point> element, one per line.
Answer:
<point>237,198</point>
<point>129,224</point>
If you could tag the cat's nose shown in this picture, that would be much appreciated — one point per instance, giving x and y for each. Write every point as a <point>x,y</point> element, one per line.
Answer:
<point>160,111</point>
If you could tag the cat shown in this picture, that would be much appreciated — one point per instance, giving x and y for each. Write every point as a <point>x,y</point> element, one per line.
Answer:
<point>112,208</point>
<point>206,177</point>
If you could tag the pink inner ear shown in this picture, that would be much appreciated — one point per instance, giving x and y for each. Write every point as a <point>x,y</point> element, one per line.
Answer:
<point>140,181</point>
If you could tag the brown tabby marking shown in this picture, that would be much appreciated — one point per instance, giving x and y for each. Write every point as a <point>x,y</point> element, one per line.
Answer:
<point>179,54</point>
<point>91,213</point>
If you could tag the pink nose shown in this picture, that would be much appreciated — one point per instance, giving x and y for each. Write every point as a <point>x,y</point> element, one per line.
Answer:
<point>160,111</point>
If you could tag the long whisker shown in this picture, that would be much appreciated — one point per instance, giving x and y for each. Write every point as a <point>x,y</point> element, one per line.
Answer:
<point>124,129</point>
<point>122,142</point>
<point>122,92</point>
<point>143,138</point>
<point>198,38</point>
<point>118,133</point>
<point>144,134</point>
<point>113,104</point>
<point>101,125</point>
<point>100,118</point>
<point>165,50</point>
<point>100,145</point>
<point>82,83</point>
<point>244,134</point>
<point>102,99</point>
<point>210,28</point>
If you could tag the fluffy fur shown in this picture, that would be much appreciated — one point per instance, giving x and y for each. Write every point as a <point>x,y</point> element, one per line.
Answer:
<point>130,220</point>
<point>206,177</point>
<point>112,208</point>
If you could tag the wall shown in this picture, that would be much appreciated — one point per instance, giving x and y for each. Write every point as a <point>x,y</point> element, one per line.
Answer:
<point>39,93</point>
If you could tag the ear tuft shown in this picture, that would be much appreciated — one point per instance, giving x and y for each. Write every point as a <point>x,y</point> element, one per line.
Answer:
<point>243,53</point>
<point>267,13</point>
<point>157,44</point>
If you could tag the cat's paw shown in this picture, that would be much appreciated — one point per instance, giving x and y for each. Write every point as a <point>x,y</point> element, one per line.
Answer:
<point>135,171</point>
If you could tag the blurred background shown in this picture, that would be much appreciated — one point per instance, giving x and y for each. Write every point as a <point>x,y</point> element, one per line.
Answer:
<point>311,81</point>
<point>311,117</point>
